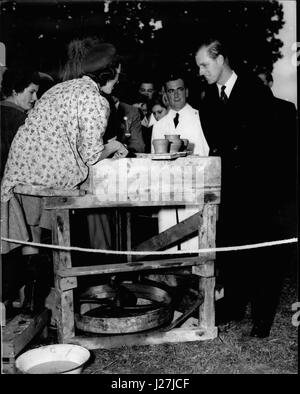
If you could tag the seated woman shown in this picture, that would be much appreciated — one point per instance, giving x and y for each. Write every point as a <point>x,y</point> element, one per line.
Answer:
<point>19,89</point>
<point>61,138</point>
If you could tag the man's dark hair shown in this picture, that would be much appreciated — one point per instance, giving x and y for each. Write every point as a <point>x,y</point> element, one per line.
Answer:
<point>215,47</point>
<point>17,79</point>
<point>146,79</point>
<point>173,76</point>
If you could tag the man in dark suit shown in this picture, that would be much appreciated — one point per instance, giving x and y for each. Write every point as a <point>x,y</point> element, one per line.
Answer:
<point>124,123</point>
<point>237,120</point>
<point>129,126</point>
<point>286,121</point>
<point>285,114</point>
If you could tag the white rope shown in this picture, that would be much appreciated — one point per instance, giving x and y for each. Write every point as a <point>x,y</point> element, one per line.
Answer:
<point>164,252</point>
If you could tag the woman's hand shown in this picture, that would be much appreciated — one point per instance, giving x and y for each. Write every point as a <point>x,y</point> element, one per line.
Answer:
<point>121,152</point>
<point>115,148</point>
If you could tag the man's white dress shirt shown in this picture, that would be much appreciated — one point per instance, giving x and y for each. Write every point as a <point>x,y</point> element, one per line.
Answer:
<point>228,85</point>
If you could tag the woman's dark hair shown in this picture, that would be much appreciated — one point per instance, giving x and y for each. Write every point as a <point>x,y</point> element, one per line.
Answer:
<point>157,99</point>
<point>90,56</point>
<point>17,79</point>
<point>106,74</point>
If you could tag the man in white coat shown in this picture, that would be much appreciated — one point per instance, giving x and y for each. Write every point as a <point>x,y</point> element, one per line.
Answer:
<point>187,124</point>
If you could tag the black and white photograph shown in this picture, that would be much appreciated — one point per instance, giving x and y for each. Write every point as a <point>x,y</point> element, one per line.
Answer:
<point>149,190</point>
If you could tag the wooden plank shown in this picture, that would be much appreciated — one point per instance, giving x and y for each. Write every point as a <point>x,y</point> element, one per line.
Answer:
<point>147,338</point>
<point>8,367</point>
<point>208,195</point>
<point>128,235</point>
<point>207,228</point>
<point>207,239</point>
<point>143,179</point>
<point>62,260</point>
<point>36,190</point>
<point>206,270</point>
<point>207,308</point>
<point>181,319</point>
<point>120,229</point>
<point>117,228</point>
<point>142,182</point>
<point>20,331</point>
<point>3,312</point>
<point>68,283</point>
<point>134,266</point>
<point>170,236</point>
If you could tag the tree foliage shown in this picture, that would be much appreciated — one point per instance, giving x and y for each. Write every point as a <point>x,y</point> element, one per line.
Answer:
<point>150,34</point>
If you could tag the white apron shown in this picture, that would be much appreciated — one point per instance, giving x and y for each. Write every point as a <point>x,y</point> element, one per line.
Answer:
<point>189,127</point>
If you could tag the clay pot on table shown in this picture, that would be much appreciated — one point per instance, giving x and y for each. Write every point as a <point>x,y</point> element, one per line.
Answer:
<point>161,145</point>
<point>175,146</point>
<point>172,137</point>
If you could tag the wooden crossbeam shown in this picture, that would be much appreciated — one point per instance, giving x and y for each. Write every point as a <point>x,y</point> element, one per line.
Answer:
<point>181,319</point>
<point>211,195</point>
<point>145,338</point>
<point>171,235</point>
<point>35,190</point>
<point>135,266</point>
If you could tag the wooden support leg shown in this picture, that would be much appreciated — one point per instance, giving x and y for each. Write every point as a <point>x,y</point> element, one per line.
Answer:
<point>119,236</point>
<point>62,259</point>
<point>2,314</point>
<point>207,281</point>
<point>128,234</point>
<point>207,288</point>
<point>8,366</point>
<point>207,308</point>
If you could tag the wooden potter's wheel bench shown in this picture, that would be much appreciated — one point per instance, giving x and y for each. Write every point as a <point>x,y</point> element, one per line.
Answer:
<point>141,182</point>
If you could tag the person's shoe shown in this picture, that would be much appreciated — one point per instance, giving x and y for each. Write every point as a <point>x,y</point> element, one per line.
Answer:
<point>260,330</point>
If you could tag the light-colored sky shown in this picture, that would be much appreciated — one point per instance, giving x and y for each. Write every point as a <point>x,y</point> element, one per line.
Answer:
<point>285,69</point>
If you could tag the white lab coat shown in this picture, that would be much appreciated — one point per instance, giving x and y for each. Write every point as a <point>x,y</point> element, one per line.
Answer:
<point>189,127</point>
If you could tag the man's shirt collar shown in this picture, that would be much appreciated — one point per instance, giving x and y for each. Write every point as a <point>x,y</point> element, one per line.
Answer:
<point>181,111</point>
<point>229,84</point>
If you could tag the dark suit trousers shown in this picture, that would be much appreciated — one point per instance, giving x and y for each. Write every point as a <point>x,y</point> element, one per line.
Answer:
<point>254,275</point>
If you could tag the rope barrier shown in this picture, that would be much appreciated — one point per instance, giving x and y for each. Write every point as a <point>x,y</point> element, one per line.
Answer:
<point>164,252</point>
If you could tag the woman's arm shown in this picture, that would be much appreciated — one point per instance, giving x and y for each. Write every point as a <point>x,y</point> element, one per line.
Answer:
<point>113,147</point>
